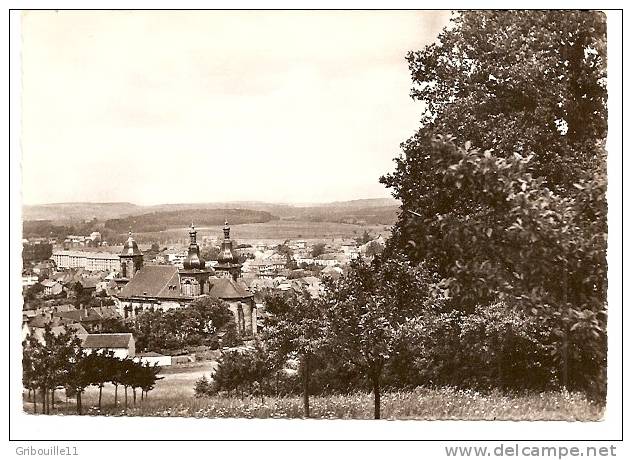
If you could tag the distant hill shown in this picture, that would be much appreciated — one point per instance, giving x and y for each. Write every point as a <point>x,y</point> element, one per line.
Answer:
<point>114,219</point>
<point>162,220</point>
<point>68,212</point>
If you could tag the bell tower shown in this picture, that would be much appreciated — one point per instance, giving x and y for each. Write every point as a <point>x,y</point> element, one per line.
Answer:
<point>131,258</point>
<point>228,265</point>
<point>194,276</point>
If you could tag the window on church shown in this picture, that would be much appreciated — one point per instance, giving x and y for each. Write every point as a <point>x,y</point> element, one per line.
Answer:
<point>240,318</point>
<point>187,289</point>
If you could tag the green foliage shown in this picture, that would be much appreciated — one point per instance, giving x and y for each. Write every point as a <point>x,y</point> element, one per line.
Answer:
<point>503,190</point>
<point>526,82</point>
<point>244,370</point>
<point>296,328</point>
<point>365,238</point>
<point>161,220</point>
<point>31,293</point>
<point>318,249</point>
<point>36,252</point>
<point>209,252</point>
<point>203,387</point>
<point>367,308</point>
<point>194,325</point>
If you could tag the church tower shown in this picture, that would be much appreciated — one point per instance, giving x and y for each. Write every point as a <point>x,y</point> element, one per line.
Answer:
<point>131,258</point>
<point>228,266</point>
<point>194,276</point>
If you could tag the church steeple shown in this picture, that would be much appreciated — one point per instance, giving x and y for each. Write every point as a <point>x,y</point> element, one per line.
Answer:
<point>228,264</point>
<point>194,276</point>
<point>194,259</point>
<point>131,258</point>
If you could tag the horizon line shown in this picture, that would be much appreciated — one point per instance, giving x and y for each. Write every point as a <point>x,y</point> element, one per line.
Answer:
<point>291,203</point>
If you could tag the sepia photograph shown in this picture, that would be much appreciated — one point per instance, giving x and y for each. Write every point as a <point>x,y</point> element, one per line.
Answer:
<point>314,214</point>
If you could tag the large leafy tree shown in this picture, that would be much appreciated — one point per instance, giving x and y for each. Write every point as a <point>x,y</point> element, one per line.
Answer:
<point>527,82</point>
<point>503,187</point>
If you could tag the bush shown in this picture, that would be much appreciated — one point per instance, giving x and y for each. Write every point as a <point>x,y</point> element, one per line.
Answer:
<point>204,387</point>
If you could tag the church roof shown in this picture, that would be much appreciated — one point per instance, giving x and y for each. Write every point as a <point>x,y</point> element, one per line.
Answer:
<point>227,288</point>
<point>162,281</point>
<point>154,281</point>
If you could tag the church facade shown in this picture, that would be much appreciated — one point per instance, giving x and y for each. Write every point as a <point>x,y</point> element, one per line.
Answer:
<point>163,287</point>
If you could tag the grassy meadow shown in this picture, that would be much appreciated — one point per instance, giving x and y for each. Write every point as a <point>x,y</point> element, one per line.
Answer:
<point>174,397</point>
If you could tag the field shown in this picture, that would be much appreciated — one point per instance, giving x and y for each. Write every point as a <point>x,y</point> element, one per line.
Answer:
<point>173,397</point>
<point>272,232</point>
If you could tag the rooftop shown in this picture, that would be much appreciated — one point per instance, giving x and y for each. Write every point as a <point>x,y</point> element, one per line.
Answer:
<point>159,281</point>
<point>107,340</point>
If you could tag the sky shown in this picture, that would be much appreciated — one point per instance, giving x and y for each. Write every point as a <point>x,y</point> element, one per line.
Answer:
<point>174,107</point>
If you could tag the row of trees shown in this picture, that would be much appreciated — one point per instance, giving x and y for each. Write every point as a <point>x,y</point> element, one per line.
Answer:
<point>58,362</point>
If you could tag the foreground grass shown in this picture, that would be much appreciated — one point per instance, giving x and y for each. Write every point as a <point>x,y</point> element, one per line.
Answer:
<point>420,404</point>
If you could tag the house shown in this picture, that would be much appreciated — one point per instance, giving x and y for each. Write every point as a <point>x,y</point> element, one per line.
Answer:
<point>38,329</point>
<point>52,287</point>
<point>327,260</point>
<point>29,280</point>
<point>120,345</point>
<point>90,318</point>
<point>43,268</point>
<point>303,259</point>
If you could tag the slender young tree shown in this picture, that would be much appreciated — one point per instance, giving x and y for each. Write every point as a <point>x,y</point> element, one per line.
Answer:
<point>296,329</point>
<point>366,310</point>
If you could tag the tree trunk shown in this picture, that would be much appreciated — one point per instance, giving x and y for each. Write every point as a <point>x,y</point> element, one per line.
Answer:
<point>125,397</point>
<point>306,386</point>
<point>376,396</point>
<point>499,364</point>
<point>47,399</point>
<point>115,395</point>
<point>564,359</point>
<point>52,397</point>
<point>100,394</point>
<point>35,401</point>
<point>134,392</point>
<point>79,402</point>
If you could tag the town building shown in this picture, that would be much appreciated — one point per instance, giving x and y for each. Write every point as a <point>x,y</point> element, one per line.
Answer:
<point>91,261</point>
<point>119,345</point>
<point>52,287</point>
<point>29,280</point>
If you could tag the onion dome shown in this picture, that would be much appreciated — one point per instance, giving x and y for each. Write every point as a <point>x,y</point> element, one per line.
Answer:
<point>226,255</point>
<point>130,248</point>
<point>194,260</point>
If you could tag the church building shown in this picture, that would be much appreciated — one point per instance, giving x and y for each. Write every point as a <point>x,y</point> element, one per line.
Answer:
<point>162,287</point>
